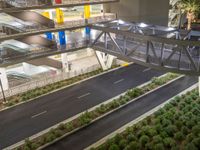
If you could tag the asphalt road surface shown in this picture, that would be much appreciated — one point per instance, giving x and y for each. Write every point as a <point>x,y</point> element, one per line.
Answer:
<point>91,134</point>
<point>30,118</point>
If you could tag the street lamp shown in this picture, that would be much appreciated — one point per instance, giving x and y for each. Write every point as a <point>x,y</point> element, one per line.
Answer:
<point>4,98</point>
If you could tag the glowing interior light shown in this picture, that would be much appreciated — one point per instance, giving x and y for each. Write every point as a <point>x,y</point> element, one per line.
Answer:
<point>170,29</point>
<point>143,25</point>
<point>121,22</point>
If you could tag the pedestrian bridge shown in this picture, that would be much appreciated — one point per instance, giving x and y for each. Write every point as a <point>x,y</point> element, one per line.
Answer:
<point>158,47</point>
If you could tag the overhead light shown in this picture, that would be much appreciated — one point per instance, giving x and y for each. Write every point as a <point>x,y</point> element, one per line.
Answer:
<point>143,25</point>
<point>121,22</point>
<point>170,29</point>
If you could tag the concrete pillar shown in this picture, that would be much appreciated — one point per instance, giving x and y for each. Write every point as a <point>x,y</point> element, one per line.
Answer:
<point>148,11</point>
<point>65,63</point>
<point>4,79</point>
<point>49,35</point>
<point>105,60</point>
<point>87,15</point>
<point>60,20</point>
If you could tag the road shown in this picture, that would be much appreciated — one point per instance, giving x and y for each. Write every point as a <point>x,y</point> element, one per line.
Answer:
<point>117,119</point>
<point>30,118</point>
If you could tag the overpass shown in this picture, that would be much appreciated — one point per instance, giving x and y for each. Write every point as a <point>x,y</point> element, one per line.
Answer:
<point>153,46</point>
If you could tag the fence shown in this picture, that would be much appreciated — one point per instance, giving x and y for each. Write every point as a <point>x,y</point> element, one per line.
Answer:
<point>48,78</point>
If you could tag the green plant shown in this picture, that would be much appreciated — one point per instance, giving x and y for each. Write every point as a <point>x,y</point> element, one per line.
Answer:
<point>191,7</point>
<point>114,147</point>
<point>144,139</point>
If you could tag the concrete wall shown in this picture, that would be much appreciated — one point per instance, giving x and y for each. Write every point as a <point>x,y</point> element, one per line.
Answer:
<point>148,11</point>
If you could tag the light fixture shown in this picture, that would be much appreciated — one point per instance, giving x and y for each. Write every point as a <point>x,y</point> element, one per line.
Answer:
<point>143,25</point>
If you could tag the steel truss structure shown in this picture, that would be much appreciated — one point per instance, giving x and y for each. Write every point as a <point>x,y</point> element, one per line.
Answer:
<point>153,46</point>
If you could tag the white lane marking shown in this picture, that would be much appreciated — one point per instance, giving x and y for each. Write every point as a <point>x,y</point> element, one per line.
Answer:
<point>145,70</point>
<point>84,95</point>
<point>116,82</point>
<point>39,114</point>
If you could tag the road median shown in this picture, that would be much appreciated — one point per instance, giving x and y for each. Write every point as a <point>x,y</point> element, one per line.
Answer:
<point>91,116</point>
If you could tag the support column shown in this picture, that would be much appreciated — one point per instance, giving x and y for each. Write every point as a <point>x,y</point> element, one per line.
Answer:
<point>61,34</point>
<point>48,34</point>
<point>4,79</point>
<point>87,15</point>
<point>62,37</point>
<point>105,60</point>
<point>65,63</point>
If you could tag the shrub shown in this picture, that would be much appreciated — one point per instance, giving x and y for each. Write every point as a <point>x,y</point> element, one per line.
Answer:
<point>159,146</point>
<point>179,136</point>
<point>122,143</point>
<point>84,118</point>
<point>196,130</point>
<point>169,142</point>
<point>196,142</point>
<point>28,143</point>
<point>69,126</point>
<point>117,138</point>
<point>135,92</point>
<point>190,146</point>
<point>50,137</point>
<point>61,126</point>
<point>131,137</point>
<point>157,139</point>
<point>133,146</point>
<point>184,130</point>
<point>144,139</point>
<point>170,130</point>
<point>114,147</point>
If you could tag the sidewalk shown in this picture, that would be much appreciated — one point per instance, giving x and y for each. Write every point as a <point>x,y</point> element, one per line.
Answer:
<point>84,63</point>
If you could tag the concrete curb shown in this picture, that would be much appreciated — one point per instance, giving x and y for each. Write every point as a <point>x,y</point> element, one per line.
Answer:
<point>62,88</point>
<point>123,128</point>
<point>91,109</point>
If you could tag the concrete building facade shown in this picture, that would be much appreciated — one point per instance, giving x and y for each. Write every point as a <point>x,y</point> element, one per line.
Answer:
<point>148,11</point>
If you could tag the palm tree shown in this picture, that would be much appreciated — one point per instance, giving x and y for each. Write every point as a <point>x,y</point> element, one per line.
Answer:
<point>190,7</point>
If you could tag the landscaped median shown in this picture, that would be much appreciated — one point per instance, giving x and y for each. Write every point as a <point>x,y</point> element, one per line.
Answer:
<point>90,116</point>
<point>35,93</point>
<point>176,126</point>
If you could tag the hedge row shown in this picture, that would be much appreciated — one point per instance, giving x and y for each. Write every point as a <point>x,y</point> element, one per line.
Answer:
<point>87,117</point>
<point>174,127</point>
